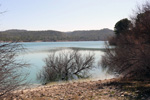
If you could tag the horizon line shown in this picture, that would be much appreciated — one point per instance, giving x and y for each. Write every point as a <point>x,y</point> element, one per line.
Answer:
<point>55,30</point>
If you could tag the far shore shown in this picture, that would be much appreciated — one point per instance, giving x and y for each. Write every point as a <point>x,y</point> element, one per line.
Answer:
<point>41,41</point>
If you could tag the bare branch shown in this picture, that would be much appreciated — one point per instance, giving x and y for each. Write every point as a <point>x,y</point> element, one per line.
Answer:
<point>65,66</point>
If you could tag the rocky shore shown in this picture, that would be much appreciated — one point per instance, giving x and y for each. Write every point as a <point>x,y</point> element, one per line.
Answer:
<point>86,90</point>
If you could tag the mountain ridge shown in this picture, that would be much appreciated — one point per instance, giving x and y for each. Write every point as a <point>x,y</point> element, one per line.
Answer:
<point>52,35</point>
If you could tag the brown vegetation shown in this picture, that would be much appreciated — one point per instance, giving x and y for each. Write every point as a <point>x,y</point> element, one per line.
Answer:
<point>10,78</point>
<point>65,66</point>
<point>131,56</point>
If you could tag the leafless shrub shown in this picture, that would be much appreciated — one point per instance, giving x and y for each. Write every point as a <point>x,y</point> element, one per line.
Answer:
<point>131,56</point>
<point>112,40</point>
<point>10,78</point>
<point>65,66</point>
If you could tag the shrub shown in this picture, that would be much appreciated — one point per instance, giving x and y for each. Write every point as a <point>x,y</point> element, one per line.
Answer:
<point>65,66</point>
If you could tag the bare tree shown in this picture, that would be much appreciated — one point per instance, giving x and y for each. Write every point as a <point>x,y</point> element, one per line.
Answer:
<point>131,56</point>
<point>10,78</point>
<point>65,66</point>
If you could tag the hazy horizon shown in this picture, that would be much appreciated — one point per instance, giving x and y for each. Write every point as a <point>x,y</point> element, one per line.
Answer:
<point>57,30</point>
<point>66,15</point>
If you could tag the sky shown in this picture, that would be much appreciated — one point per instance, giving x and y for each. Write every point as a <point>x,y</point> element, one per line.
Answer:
<point>64,15</point>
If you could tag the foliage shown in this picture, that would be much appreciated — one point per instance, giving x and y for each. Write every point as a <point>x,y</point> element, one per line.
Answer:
<point>29,36</point>
<point>131,56</point>
<point>122,26</point>
<point>65,66</point>
<point>93,35</point>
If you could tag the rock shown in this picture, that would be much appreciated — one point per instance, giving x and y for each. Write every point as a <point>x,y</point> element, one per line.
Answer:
<point>122,95</point>
<point>110,87</point>
<point>105,93</point>
<point>27,96</point>
<point>110,95</point>
<point>137,91</point>
<point>39,95</point>
<point>100,87</point>
<point>21,92</point>
<point>126,93</point>
<point>143,98</point>
<point>4,99</point>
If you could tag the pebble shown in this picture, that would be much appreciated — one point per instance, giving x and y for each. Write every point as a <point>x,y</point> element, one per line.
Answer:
<point>122,95</point>
<point>105,93</point>
<point>143,98</point>
<point>110,95</point>
<point>27,96</point>
<point>78,91</point>
<point>110,87</point>
<point>137,91</point>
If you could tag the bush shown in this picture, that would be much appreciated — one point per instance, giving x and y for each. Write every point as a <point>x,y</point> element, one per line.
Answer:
<point>9,76</point>
<point>131,56</point>
<point>65,66</point>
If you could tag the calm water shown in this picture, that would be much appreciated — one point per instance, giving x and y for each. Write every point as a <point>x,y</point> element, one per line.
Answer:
<point>37,51</point>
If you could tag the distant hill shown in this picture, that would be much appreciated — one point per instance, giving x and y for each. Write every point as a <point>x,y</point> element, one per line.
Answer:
<point>92,35</point>
<point>50,35</point>
<point>15,30</point>
<point>29,36</point>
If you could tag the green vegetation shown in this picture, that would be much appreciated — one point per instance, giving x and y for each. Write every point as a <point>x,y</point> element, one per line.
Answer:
<point>122,26</point>
<point>28,36</point>
<point>93,35</point>
<point>31,36</point>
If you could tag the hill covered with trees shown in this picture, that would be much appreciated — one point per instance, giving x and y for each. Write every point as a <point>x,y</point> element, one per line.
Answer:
<point>50,35</point>
<point>91,35</point>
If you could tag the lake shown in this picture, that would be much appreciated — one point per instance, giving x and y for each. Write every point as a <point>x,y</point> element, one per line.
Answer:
<point>36,51</point>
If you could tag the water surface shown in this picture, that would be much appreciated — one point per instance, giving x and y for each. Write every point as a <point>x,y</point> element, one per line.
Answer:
<point>37,51</point>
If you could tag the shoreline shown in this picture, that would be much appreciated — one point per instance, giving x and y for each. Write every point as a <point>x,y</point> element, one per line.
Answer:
<point>110,89</point>
<point>43,41</point>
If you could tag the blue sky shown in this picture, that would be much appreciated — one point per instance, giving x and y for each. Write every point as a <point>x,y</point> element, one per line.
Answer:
<point>64,15</point>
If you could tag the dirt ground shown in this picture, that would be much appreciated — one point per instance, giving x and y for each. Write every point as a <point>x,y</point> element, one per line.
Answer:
<point>112,89</point>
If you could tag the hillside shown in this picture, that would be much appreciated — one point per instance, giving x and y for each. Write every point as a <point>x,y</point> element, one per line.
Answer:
<point>49,35</point>
<point>91,35</point>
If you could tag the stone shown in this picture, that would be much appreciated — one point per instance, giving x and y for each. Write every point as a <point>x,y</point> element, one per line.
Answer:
<point>143,98</point>
<point>110,95</point>
<point>122,95</point>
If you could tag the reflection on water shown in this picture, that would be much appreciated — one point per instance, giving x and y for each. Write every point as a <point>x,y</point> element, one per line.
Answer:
<point>36,52</point>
